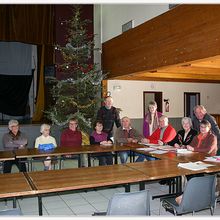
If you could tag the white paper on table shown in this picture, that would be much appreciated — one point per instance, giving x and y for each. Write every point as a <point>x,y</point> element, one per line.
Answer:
<point>159,152</point>
<point>184,151</point>
<point>145,149</point>
<point>167,148</point>
<point>213,159</point>
<point>194,165</point>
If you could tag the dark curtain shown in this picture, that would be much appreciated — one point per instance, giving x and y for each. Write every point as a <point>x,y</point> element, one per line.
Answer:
<point>14,92</point>
<point>32,24</point>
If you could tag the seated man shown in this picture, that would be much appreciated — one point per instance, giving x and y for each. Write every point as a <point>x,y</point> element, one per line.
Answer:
<point>126,134</point>
<point>161,136</point>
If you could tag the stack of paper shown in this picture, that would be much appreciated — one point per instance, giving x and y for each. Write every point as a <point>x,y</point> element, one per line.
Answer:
<point>167,148</point>
<point>183,151</point>
<point>159,152</point>
<point>145,149</point>
<point>213,159</point>
<point>195,166</point>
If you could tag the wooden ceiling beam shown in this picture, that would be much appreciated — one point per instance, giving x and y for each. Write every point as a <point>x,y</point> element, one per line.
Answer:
<point>182,35</point>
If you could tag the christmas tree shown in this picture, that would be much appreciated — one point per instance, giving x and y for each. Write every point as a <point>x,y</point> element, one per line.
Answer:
<point>77,94</point>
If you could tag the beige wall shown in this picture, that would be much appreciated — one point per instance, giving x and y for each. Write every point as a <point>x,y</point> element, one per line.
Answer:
<point>128,95</point>
<point>115,15</point>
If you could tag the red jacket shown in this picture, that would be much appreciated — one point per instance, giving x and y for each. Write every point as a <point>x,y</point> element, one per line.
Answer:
<point>168,135</point>
<point>71,138</point>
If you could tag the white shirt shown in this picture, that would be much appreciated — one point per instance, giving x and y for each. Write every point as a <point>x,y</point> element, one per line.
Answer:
<point>151,125</point>
<point>45,140</point>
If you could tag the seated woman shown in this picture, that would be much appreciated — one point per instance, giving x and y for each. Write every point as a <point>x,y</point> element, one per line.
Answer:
<point>205,142</point>
<point>184,136</point>
<point>45,139</point>
<point>72,137</point>
<point>100,137</point>
<point>13,140</point>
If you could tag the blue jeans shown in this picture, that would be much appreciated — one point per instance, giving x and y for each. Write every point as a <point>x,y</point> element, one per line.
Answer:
<point>123,156</point>
<point>142,157</point>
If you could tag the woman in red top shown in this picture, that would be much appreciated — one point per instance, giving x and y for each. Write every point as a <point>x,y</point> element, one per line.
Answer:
<point>206,141</point>
<point>72,137</point>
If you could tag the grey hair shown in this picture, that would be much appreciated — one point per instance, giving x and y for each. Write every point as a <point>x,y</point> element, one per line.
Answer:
<point>189,120</point>
<point>12,123</point>
<point>43,126</point>
<point>201,107</point>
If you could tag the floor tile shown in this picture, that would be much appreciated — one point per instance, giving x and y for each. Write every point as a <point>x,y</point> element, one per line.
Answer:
<point>83,209</point>
<point>65,211</point>
<point>76,202</point>
<point>54,204</point>
<point>101,207</point>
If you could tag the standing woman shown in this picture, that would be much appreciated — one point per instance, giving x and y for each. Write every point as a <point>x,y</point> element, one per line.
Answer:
<point>151,119</point>
<point>13,140</point>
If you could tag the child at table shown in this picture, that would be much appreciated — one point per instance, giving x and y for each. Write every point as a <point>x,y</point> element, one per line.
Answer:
<point>45,140</point>
<point>101,138</point>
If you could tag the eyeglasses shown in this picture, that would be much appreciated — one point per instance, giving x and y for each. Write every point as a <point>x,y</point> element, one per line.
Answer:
<point>203,126</point>
<point>14,126</point>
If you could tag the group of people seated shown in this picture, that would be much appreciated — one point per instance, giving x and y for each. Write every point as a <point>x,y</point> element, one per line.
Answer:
<point>201,135</point>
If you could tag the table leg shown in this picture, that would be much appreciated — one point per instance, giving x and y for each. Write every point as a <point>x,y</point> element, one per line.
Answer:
<point>141,185</point>
<point>14,203</point>
<point>79,161</point>
<point>31,164</point>
<point>89,160</point>
<point>40,206</point>
<point>60,163</point>
<point>116,157</point>
<point>127,187</point>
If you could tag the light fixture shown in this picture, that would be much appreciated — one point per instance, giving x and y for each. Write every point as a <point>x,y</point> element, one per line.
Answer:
<point>117,88</point>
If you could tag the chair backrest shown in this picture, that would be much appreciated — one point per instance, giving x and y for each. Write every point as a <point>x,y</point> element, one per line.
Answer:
<point>11,212</point>
<point>198,194</point>
<point>133,203</point>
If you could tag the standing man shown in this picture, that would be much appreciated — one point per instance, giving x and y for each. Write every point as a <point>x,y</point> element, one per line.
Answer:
<point>201,114</point>
<point>109,115</point>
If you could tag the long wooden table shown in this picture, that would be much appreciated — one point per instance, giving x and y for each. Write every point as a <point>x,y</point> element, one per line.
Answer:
<point>82,178</point>
<point>31,153</point>
<point>41,183</point>
<point>13,185</point>
<point>7,155</point>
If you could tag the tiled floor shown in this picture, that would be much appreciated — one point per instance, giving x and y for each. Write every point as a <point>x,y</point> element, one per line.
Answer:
<point>85,203</point>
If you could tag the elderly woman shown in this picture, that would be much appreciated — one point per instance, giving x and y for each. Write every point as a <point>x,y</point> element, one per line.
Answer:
<point>45,140</point>
<point>13,140</point>
<point>184,136</point>
<point>205,141</point>
<point>151,119</point>
<point>72,137</point>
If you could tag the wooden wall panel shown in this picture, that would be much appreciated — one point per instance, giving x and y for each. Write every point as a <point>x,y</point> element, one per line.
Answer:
<point>183,34</point>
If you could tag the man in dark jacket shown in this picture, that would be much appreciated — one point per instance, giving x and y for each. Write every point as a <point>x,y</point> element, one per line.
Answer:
<point>109,115</point>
